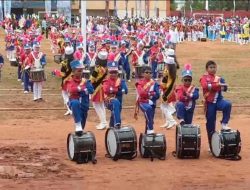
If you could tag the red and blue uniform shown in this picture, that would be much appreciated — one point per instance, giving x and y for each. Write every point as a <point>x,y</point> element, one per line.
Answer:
<point>114,88</point>
<point>148,92</point>
<point>79,90</point>
<point>214,101</point>
<point>186,98</point>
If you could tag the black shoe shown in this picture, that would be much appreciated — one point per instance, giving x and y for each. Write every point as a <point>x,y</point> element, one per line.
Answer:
<point>79,133</point>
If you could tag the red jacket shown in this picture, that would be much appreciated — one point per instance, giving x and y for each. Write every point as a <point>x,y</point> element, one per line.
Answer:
<point>72,87</point>
<point>210,86</point>
<point>143,89</point>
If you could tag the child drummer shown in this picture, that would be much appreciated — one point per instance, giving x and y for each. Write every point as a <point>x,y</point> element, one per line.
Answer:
<point>79,89</point>
<point>186,95</point>
<point>213,86</point>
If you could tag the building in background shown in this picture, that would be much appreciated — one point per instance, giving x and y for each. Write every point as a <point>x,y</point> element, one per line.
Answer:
<point>143,8</point>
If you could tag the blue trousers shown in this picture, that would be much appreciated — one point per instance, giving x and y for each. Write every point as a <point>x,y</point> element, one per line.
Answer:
<point>212,108</point>
<point>27,82</point>
<point>79,112</point>
<point>182,113</point>
<point>149,113</point>
<point>126,68</point>
<point>115,107</point>
<point>154,69</point>
<point>19,72</point>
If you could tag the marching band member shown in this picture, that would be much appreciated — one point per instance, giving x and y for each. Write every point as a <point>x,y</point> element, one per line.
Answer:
<point>79,90</point>
<point>125,53</point>
<point>1,65</point>
<point>26,69</point>
<point>154,51</point>
<point>114,88</point>
<point>36,61</point>
<point>81,56</point>
<point>19,52</point>
<point>168,94</point>
<point>148,93</point>
<point>186,95</point>
<point>213,86</point>
<point>97,77</point>
<point>65,74</point>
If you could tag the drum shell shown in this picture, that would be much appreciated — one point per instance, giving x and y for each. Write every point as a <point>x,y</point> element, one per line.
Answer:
<point>230,143</point>
<point>13,63</point>
<point>86,74</point>
<point>37,75</point>
<point>126,141</point>
<point>160,69</point>
<point>84,144</point>
<point>155,143</point>
<point>188,141</point>
<point>58,58</point>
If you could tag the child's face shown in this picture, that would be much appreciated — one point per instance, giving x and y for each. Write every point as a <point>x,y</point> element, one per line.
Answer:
<point>78,73</point>
<point>212,69</point>
<point>147,74</point>
<point>187,80</point>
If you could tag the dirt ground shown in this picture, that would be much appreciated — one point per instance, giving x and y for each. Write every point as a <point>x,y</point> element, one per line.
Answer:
<point>33,143</point>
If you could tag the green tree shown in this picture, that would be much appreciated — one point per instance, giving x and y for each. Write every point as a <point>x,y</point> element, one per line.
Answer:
<point>173,5</point>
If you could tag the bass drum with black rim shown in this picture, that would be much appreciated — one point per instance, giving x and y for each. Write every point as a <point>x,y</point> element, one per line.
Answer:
<point>121,143</point>
<point>226,144</point>
<point>188,141</point>
<point>82,148</point>
<point>153,146</point>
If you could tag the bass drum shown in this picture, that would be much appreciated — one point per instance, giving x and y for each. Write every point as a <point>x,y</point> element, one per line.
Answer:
<point>82,148</point>
<point>153,146</point>
<point>226,144</point>
<point>188,141</point>
<point>121,143</point>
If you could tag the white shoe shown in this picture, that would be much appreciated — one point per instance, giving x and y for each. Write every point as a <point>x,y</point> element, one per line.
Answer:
<point>129,80</point>
<point>165,125</point>
<point>25,92</point>
<point>101,127</point>
<point>225,127</point>
<point>78,127</point>
<point>150,132</point>
<point>18,80</point>
<point>68,112</point>
<point>22,83</point>
<point>171,124</point>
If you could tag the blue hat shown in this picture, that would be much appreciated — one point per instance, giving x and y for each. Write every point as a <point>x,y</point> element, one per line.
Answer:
<point>113,66</point>
<point>67,40</point>
<point>76,65</point>
<point>79,45</point>
<point>108,41</point>
<point>114,44</point>
<point>36,44</point>
<point>186,73</point>
<point>26,46</point>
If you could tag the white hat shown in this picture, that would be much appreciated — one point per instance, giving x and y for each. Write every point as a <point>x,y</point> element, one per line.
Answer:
<point>103,55</point>
<point>170,52</point>
<point>169,60</point>
<point>69,50</point>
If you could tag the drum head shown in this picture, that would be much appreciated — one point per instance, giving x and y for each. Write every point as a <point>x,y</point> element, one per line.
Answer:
<point>71,147</point>
<point>111,142</point>
<point>216,144</point>
<point>142,145</point>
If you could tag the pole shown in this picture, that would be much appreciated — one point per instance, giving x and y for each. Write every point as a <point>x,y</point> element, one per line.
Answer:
<point>83,24</point>
<point>115,8</point>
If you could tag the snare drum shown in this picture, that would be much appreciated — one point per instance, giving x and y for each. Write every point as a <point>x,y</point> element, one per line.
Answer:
<point>82,148</point>
<point>226,143</point>
<point>13,62</point>
<point>188,141</point>
<point>37,75</point>
<point>58,58</point>
<point>139,72</point>
<point>121,143</point>
<point>153,146</point>
<point>86,74</point>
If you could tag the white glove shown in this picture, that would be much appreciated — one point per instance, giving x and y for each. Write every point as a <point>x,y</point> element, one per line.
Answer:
<point>27,67</point>
<point>151,102</point>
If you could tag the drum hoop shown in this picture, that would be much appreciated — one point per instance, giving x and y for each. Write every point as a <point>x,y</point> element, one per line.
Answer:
<point>219,145</point>
<point>69,139</point>
<point>107,143</point>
